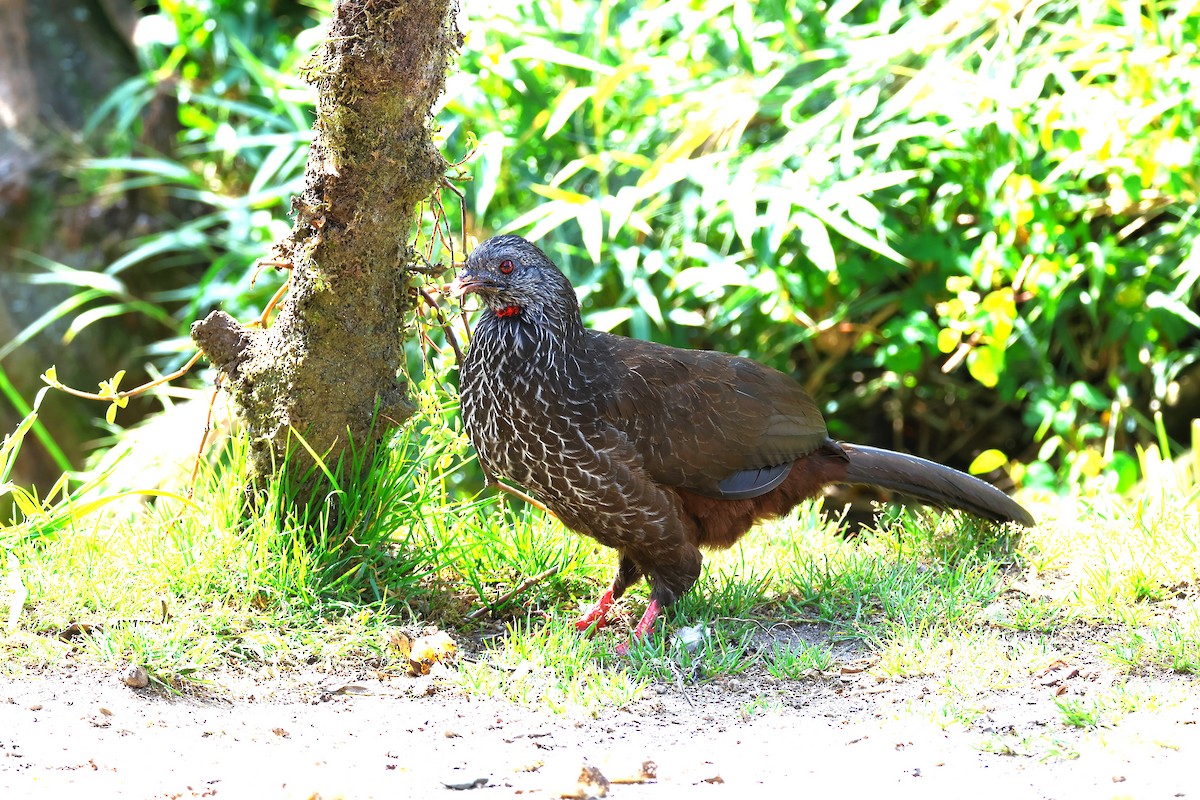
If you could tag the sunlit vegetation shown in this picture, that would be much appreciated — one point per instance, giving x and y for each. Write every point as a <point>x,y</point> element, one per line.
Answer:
<point>969,228</point>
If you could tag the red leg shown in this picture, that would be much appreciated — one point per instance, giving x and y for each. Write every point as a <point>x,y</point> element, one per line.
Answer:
<point>644,627</point>
<point>598,614</point>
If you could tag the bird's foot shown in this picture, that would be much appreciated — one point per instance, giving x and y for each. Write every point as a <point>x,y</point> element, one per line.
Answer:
<point>597,615</point>
<point>644,628</point>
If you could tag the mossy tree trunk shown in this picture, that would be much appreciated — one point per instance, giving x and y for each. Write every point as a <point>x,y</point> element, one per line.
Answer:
<point>327,367</point>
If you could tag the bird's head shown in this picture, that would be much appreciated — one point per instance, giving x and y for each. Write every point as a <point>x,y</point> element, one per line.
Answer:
<point>512,276</point>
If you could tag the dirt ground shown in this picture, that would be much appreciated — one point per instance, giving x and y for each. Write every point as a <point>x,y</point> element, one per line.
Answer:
<point>83,733</point>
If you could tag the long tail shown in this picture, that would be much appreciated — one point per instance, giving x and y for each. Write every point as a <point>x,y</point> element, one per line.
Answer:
<point>932,483</point>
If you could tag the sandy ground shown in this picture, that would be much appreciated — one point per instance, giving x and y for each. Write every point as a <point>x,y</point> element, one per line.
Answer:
<point>83,733</point>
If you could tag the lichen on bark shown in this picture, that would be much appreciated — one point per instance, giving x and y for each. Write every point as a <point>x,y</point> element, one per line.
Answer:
<point>327,368</point>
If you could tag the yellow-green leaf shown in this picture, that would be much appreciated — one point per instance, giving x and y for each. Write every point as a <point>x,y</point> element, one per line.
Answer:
<point>987,461</point>
<point>564,106</point>
<point>948,340</point>
<point>1001,301</point>
<point>562,195</point>
<point>983,366</point>
<point>958,283</point>
<point>19,592</point>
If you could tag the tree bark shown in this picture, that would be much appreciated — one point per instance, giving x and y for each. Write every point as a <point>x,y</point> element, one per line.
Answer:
<point>327,368</point>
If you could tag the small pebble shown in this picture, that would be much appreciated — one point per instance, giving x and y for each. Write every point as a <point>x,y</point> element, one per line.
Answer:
<point>135,677</point>
<point>590,783</point>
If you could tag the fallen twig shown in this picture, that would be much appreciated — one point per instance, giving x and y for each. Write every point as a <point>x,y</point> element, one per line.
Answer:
<point>513,592</point>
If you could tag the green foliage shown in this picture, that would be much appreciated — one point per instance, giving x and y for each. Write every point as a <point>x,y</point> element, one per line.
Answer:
<point>795,663</point>
<point>872,589</point>
<point>865,193</point>
<point>1106,709</point>
<point>230,74</point>
<point>551,666</point>
<point>189,589</point>
<point>975,227</point>
<point>185,585</point>
<point>876,189</point>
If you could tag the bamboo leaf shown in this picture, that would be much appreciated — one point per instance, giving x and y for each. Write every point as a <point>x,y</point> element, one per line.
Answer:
<point>552,54</point>
<point>566,105</point>
<point>815,238</point>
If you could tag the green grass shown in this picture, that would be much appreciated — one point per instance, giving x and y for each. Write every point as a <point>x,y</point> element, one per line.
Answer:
<point>550,665</point>
<point>195,590</point>
<point>787,662</point>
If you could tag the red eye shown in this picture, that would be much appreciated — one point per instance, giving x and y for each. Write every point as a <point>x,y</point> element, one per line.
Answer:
<point>506,266</point>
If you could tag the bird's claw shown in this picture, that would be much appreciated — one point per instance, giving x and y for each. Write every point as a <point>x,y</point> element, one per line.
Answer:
<point>590,622</point>
<point>596,617</point>
<point>644,628</point>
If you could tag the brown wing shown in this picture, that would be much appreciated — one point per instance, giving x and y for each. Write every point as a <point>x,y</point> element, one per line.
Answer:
<point>703,420</point>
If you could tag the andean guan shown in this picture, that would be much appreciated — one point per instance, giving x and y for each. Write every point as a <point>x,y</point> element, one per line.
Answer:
<point>653,450</point>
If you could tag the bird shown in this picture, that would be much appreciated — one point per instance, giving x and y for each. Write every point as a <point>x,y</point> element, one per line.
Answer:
<point>655,451</point>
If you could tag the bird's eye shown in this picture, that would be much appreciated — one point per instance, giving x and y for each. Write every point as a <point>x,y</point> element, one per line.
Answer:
<point>506,266</point>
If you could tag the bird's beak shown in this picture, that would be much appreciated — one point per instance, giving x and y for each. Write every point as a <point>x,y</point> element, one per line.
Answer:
<point>463,284</point>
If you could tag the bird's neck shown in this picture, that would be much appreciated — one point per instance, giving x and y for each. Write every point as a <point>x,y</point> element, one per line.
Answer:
<point>539,338</point>
<point>558,321</point>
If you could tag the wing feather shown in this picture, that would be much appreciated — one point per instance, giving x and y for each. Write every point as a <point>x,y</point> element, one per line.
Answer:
<point>711,422</point>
